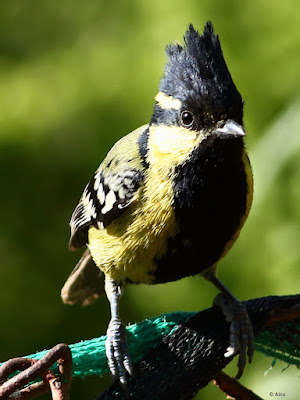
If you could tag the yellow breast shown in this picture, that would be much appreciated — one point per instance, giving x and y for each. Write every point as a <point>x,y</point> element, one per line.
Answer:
<point>127,248</point>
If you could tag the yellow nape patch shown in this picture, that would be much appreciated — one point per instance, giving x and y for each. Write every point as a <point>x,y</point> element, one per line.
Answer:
<point>167,102</point>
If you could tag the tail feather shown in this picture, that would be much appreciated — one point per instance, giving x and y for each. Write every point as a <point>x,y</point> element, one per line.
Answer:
<point>85,284</point>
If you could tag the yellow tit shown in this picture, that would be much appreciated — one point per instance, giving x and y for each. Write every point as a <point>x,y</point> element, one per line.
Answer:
<point>170,198</point>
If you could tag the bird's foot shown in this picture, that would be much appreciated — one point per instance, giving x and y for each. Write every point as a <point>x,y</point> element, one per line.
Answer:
<point>118,359</point>
<point>241,337</point>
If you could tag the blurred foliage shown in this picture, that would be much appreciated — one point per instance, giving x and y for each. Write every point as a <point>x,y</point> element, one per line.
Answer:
<point>74,77</point>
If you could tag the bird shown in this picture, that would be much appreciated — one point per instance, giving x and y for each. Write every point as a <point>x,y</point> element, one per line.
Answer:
<point>170,198</point>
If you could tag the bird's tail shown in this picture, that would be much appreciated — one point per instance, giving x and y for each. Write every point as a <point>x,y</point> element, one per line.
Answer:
<point>85,284</point>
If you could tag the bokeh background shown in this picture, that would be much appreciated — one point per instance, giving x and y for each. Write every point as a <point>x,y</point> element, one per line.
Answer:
<point>74,77</point>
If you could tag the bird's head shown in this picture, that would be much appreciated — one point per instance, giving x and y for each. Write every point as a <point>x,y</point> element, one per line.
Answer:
<point>197,92</point>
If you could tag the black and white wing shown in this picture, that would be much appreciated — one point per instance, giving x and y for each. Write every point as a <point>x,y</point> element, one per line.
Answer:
<point>112,188</point>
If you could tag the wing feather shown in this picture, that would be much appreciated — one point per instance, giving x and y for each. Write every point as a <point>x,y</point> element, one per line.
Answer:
<point>111,190</point>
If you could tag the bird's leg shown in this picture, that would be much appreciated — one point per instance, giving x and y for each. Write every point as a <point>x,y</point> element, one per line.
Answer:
<point>116,346</point>
<point>241,333</point>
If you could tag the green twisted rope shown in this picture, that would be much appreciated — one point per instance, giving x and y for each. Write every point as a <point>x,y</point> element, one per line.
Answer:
<point>89,355</point>
<point>280,341</point>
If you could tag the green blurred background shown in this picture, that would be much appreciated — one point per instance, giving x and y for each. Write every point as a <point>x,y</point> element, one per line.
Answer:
<point>74,77</point>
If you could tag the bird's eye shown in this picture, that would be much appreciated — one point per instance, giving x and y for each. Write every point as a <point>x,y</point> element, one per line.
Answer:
<point>187,118</point>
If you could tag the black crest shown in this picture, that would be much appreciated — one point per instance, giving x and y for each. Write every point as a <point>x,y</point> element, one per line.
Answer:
<point>197,73</point>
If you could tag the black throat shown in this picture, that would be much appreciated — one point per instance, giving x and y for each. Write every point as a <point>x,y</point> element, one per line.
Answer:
<point>210,179</point>
<point>210,197</point>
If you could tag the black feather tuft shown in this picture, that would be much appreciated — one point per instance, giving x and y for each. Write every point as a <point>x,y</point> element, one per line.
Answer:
<point>197,74</point>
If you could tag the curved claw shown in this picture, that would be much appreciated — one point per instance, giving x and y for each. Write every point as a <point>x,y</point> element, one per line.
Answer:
<point>118,359</point>
<point>241,336</point>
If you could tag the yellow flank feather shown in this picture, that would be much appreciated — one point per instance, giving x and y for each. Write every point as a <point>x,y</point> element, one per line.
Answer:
<point>127,248</point>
